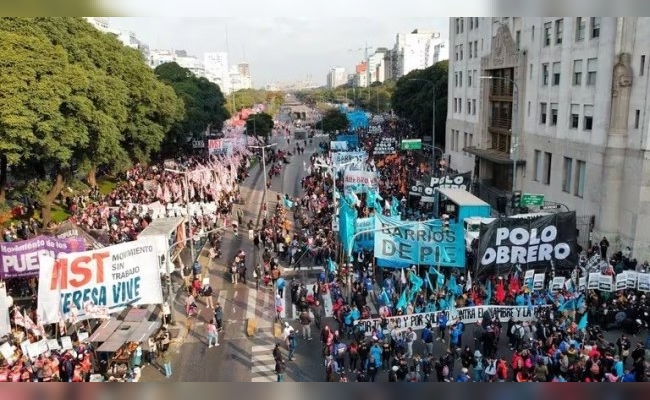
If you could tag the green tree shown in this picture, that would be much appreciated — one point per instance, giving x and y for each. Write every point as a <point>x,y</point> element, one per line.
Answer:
<point>413,99</point>
<point>260,125</point>
<point>74,99</point>
<point>247,98</point>
<point>204,105</point>
<point>334,120</point>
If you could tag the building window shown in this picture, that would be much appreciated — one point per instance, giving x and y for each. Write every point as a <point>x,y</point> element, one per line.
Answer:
<point>528,111</point>
<point>462,25</point>
<point>581,171</point>
<point>460,79</point>
<point>548,167</point>
<point>455,105</point>
<point>469,49</point>
<point>545,74</point>
<point>460,106</point>
<point>554,112</point>
<point>637,117</point>
<point>532,34</point>
<point>567,174</point>
<point>559,29</point>
<point>575,116</point>
<point>471,23</point>
<point>456,79</point>
<point>461,52</point>
<point>588,119</point>
<point>473,106</point>
<point>530,72</point>
<point>456,51</point>
<point>469,106</point>
<point>556,73</point>
<point>577,72</point>
<point>595,27</point>
<point>580,29</point>
<point>457,26</point>
<point>476,48</point>
<point>465,137</point>
<point>592,67</point>
<point>518,39</point>
<point>469,79</point>
<point>547,33</point>
<point>476,22</point>
<point>538,166</point>
<point>471,140</point>
<point>642,66</point>
<point>456,140</point>
<point>481,44</point>
<point>543,112</point>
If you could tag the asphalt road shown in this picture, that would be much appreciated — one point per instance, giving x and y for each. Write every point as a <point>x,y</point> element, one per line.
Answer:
<point>239,358</point>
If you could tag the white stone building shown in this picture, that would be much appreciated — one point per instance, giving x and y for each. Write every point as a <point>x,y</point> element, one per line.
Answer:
<point>580,116</point>
<point>416,50</point>
<point>336,77</point>
<point>217,70</point>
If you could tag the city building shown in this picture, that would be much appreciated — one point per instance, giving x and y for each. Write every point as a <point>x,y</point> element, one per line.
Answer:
<point>190,62</point>
<point>418,49</point>
<point>217,70</point>
<point>127,38</point>
<point>377,66</point>
<point>336,77</point>
<point>361,74</point>
<point>574,92</point>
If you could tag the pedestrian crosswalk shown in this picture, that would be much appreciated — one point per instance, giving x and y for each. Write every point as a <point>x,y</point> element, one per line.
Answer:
<point>263,364</point>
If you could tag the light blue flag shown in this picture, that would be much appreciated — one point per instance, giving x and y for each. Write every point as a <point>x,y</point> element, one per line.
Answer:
<point>384,300</point>
<point>582,325</point>
<point>394,207</point>
<point>429,282</point>
<point>453,286</point>
<point>401,303</point>
<point>371,197</point>
<point>568,305</point>
<point>581,302</point>
<point>288,203</point>
<point>416,285</point>
<point>451,303</point>
<point>331,265</point>
<point>529,302</point>
<point>488,292</point>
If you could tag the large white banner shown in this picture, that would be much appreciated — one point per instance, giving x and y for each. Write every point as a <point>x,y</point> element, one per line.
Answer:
<point>350,160</point>
<point>466,315</point>
<point>95,284</point>
<point>360,181</point>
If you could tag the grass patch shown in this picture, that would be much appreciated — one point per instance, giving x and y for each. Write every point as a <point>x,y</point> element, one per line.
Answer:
<point>106,185</point>
<point>59,214</point>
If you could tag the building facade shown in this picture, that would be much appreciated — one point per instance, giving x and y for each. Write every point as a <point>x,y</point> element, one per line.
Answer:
<point>574,92</point>
<point>217,70</point>
<point>336,77</point>
<point>416,50</point>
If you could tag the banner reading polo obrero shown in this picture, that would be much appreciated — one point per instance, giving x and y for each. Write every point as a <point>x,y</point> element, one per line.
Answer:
<point>533,243</point>
<point>427,242</point>
<point>95,284</point>
<point>426,186</point>
<point>360,181</point>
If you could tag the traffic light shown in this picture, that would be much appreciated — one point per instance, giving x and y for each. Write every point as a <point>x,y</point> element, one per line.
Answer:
<point>516,198</point>
<point>502,201</point>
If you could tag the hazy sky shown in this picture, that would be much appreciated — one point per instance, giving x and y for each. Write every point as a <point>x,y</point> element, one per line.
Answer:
<point>284,48</point>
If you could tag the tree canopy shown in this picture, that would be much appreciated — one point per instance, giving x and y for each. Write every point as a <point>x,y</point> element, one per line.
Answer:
<point>204,105</point>
<point>333,120</point>
<point>73,100</point>
<point>375,98</point>
<point>259,125</point>
<point>413,99</point>
<point>247,98</point>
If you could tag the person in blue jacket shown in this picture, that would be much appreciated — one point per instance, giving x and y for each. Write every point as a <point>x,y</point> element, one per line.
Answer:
<point>280,285</point>
<point>442,326</point>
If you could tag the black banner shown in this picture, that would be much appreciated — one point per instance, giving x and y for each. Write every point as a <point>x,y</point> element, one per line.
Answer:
<point>426,186</point>
<point>386,145</point>
<point>531,243</point>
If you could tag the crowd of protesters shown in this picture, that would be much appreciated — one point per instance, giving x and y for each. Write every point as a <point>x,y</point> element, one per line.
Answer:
<point>558,345</point>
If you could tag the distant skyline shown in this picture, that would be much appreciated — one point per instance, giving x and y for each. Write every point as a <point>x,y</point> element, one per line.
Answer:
<point>279,49</point>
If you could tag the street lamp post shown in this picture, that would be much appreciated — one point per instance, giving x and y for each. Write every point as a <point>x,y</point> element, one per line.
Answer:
<point>434,148</point>
<point>513,129</point>
<point>264,161</point>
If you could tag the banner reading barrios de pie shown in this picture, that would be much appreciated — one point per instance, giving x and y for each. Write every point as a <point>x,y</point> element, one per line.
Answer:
<point>95,284</point>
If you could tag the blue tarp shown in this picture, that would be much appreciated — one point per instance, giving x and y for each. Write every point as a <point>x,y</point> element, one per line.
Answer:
<point>392,264</point>
<point>357,119</point>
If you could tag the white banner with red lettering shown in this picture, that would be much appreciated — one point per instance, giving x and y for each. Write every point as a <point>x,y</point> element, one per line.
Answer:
<point>360,181</point>
<point>95,284</point>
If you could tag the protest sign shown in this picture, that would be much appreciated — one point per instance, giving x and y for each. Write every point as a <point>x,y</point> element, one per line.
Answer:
<point>606,283</point>
<point>426,242</point>
<point>426,187</point>
<point>557,283</point>
<point>364,241</point>
<point>20,259</point>
<point>532,242</point>
<point>582,284</point>
<point>360,181</point>
<point>466,315</point>
<point>94,284</point>
<point>349,160</point>
<point>338,146</point>
<point>385,145</point>
<point>643,282</point>
<point>538,281</point>
<point>594,278</point>
<point>621,281</point>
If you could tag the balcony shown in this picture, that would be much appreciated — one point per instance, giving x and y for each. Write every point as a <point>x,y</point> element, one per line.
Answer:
<point>501,90</point>
<point>501,124</point>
